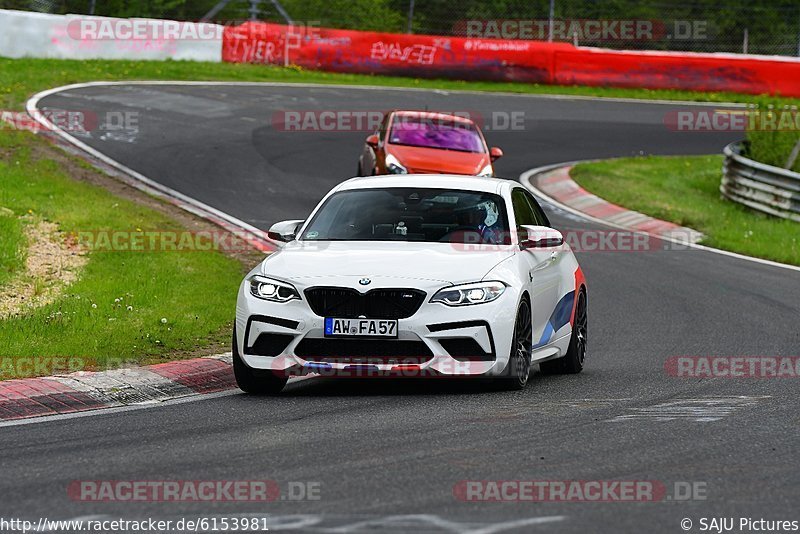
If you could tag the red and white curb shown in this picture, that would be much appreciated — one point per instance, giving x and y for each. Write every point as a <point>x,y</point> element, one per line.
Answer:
<point>556,183</point>
<point>83,391</point>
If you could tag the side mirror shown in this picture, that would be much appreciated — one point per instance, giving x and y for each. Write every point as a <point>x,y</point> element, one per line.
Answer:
<point>285,231</point>
<point>495,153</point>
<point>372,141</point>
<point>539,237</point>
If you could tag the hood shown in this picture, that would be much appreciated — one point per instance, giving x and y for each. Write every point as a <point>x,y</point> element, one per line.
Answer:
<point>310,261</point>
<point>436,161</point>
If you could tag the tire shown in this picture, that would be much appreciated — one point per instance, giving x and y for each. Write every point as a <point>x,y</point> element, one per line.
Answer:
<point>254,381</point>
<point>572,362</point>
<point>515,376</point>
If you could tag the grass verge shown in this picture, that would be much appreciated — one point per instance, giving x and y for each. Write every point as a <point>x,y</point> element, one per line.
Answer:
<point>20,78</point>
<point>11,244</point>
<point>776,131</point>
<point>685,190</point>
<point>125,306</point>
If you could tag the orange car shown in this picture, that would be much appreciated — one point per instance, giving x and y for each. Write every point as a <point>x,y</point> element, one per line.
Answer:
<point>409,142</point>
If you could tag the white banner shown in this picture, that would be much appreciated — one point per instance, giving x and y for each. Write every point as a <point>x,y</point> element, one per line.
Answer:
<point>41,35</point>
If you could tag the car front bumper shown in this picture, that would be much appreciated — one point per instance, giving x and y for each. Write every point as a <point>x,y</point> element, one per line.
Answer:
<point>432,328</point>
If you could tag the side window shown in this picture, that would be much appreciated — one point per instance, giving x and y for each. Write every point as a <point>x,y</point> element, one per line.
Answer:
<point>538,212</point>
<point>523,214</point>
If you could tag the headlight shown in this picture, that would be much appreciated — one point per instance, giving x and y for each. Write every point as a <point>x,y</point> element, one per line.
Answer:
<point>272,290</point>
<point>394,166</point>
<point>487,172</point>
<point>467,294</point>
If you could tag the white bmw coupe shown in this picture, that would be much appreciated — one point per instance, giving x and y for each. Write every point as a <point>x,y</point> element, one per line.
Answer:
<point>415,275</point>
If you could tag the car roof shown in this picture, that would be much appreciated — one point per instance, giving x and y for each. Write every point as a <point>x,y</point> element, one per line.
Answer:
<point>432,181</point>
<point>435,115</point>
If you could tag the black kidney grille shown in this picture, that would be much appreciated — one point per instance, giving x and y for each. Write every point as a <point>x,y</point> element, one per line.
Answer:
<point>348,303</point>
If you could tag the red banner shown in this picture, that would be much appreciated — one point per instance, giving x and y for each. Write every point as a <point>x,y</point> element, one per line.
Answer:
<point>427,56</point>
<point>672,70</point>
<point>390,53</point>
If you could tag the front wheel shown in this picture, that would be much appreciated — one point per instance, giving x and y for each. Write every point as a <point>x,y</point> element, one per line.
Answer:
<point>518,369</point>
<point>254,381</point>
<point>572,361</point>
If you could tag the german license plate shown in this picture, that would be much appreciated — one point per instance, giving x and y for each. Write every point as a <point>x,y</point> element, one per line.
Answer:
<point>360,327</point>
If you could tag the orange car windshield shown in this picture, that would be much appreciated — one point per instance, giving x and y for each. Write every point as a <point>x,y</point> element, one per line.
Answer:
<point>436,133</point>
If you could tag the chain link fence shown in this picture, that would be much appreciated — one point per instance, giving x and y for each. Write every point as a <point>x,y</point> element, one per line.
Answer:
<point>735,26</point>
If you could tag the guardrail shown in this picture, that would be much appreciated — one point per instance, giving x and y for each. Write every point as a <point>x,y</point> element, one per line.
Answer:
<point>758,186</point>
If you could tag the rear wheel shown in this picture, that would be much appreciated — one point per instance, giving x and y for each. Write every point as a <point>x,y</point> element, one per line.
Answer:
<point>254,381</point>
<point>572,361</point>
<point>519,363</point>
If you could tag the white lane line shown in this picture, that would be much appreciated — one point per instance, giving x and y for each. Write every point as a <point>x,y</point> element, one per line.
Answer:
<point>393,523</point>
<point>444,92</point>
<point>119,409</point>
<point>427,523</point>
<point>700,410</point>
<point>104,410</point>
<point>187,203</point>
<point>525,179</point>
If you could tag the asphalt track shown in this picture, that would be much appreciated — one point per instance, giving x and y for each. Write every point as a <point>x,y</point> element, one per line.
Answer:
<point>388,454</point>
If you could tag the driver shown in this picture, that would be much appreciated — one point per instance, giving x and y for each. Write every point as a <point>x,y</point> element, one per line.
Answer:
<point>480,219</point>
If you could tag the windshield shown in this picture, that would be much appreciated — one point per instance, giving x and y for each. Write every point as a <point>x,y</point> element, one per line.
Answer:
<point>411,214</point>
<point>435,133</point>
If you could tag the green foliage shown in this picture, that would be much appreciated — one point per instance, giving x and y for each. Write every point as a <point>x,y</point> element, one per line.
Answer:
<point>12,241</point>
<point>772,145</point>
<point>353,14</point>
<point>774,27</point>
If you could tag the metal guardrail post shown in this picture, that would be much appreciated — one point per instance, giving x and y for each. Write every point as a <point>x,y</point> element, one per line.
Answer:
<point>793,156</point>
<point>758,186</point>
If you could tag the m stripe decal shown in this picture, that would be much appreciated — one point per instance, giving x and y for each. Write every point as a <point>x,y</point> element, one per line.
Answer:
<point>560,316</point>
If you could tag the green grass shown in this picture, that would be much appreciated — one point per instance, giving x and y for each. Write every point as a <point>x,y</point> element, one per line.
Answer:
<point>12,243</point>
<point>685,190</point>
<point>194,291</point>
<point>769,146</point>
<point>773,148</point>
<point>20,78</point>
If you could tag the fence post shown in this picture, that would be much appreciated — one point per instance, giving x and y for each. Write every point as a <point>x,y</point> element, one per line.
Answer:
<point>280,9</point>
<point>745,43</point>
<point>254,9</point>
<point>550,21</point>
<point>793,156</point>
<point>410,16</point>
